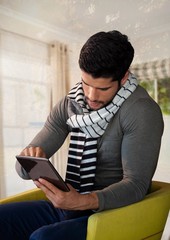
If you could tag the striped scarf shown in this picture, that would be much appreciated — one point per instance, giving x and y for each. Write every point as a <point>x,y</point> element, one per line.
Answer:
<point>87,127</point>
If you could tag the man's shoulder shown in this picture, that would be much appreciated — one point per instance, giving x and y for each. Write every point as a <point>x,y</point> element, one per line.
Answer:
<point>139,97</point>
<point>140,106</point>
<point>60,109</point>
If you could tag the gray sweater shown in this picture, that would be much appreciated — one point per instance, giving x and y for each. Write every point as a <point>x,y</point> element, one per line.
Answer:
<point>127,152</point>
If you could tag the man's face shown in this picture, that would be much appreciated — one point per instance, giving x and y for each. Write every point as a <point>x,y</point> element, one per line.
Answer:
<point>98,91</point>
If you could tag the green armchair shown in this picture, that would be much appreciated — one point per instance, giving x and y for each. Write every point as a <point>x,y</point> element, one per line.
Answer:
<point>143,220</point>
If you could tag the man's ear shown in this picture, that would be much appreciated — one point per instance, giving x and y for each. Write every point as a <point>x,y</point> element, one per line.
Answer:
<point>124,79</point>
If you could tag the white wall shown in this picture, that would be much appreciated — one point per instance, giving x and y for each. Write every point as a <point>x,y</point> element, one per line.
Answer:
<point>163,169</point>
<point>155,45</point>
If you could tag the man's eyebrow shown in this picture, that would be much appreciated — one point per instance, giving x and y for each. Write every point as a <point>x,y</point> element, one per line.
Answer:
<point>85,82</point>
<point>104,88</point>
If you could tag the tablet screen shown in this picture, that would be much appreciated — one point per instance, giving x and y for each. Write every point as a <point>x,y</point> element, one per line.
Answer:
<point>42,168</point>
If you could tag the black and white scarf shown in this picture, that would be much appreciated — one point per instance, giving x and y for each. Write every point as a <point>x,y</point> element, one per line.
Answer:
<point>86,129</point>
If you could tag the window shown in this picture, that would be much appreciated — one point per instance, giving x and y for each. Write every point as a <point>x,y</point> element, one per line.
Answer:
<point>25,75</point>
<point>160,91</point>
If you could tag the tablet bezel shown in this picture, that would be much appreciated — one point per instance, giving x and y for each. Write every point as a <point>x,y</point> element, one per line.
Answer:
<point>37,167</point>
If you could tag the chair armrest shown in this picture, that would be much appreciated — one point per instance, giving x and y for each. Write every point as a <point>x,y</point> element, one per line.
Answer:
<point>33,194</point>
<point>137,221</point>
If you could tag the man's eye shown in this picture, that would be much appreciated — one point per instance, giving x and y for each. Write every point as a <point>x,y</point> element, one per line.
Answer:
<point>104,89</point>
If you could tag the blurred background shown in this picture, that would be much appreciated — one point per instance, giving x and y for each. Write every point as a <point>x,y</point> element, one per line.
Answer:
<point>40,42</point>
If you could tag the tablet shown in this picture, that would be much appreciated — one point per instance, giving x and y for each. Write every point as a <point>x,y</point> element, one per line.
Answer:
<point>42,168</point>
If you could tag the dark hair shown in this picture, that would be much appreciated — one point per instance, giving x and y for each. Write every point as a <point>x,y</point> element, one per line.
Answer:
<point>106,54</point>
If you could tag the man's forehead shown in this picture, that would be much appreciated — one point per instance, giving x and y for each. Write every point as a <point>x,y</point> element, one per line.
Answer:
<point>97,82</point>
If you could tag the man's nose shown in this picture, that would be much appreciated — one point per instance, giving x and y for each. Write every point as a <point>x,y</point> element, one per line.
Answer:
<point>92,94</point>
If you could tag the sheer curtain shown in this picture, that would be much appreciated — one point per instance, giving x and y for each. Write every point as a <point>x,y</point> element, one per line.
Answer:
<point>2,183</point>
<point>59,88</point>
<point>25,72</point>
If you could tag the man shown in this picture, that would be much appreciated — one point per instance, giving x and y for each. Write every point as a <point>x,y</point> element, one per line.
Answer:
<point>115,130</point>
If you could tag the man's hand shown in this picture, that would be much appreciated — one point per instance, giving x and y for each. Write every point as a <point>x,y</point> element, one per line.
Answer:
<point>33,152</point>
<point>71,200</point>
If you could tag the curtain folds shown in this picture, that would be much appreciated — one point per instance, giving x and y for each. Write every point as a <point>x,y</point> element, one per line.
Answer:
<point>59,88</point>
<point>2,180</point>
<point>158,69</point>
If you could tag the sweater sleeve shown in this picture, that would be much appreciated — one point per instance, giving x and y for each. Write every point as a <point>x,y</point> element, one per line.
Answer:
<point>142,127</point>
